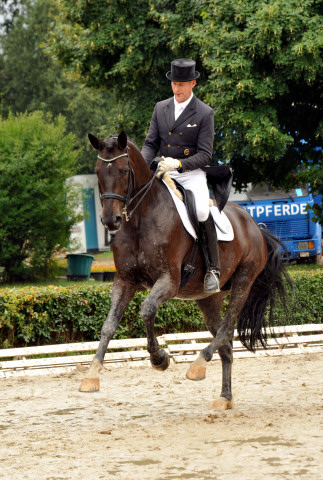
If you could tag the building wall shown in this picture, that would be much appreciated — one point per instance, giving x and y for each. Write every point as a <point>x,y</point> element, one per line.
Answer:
<point>89,234</point>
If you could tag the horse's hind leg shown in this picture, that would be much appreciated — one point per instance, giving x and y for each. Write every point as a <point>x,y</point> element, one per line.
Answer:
<point>211,309</point>
<point>241,284</point>
<point>225,401</point>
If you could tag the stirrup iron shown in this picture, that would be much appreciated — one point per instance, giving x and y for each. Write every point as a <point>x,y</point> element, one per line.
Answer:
<point>212,281</point>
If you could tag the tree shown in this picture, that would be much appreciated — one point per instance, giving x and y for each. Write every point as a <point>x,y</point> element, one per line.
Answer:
<point>265,83</point>
<point>9,9</point>
<point>261,65</point>
<point>36,212</point>
<point>30,80</point>
<point>121,46</point>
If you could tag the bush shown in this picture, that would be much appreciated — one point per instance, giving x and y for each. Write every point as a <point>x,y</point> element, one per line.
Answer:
<point>37,208</point>
<point>47,315</point>
<point>307,305</point>
<point>43,315</point>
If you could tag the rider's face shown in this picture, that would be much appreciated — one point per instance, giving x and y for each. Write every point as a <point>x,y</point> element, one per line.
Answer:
<point>183,90</point>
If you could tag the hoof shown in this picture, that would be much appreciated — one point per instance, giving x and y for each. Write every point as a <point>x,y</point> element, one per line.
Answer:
<point>221,404</point>
<point>164,364</point>
<point>90,385</point>
<point>196,372</point>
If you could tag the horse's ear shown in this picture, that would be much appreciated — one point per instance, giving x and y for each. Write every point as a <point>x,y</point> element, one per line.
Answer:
<point>96,143</point>
<point>122,140</point>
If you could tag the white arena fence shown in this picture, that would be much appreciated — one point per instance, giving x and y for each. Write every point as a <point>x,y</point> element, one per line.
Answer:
<point>181,347</point>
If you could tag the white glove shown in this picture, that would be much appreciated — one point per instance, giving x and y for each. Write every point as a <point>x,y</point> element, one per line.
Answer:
<point>168,164</point>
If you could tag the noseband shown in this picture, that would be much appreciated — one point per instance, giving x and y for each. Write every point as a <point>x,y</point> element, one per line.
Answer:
<point>126,199</point>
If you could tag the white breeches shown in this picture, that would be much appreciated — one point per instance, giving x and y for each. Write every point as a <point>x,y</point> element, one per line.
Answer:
<point>195,181</point>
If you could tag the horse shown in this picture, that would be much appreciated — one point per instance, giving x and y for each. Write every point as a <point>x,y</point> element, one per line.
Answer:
<point>150,247</point>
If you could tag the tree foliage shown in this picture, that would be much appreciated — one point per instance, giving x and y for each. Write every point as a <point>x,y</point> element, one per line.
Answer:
<point>260,64</point>
<point>36,212</point>
<point>30,80</point>
<point>123,47</point>
<point>9,9</point>
<point>265,82</point>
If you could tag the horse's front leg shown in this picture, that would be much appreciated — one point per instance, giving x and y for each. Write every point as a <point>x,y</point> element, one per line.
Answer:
<point>121,295</point>
<point>163,290</point>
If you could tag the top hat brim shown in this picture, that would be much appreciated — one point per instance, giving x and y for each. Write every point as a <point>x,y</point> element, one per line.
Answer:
<point>175,78</point>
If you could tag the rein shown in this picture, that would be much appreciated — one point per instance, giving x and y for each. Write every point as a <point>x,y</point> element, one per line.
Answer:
<point>145,189</point>
<point>127,199</point>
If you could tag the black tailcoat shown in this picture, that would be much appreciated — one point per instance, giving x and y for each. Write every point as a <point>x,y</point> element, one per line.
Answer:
<point>190,140</point>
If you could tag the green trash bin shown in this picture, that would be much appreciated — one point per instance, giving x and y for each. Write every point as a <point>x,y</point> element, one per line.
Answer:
<point>79,266</point>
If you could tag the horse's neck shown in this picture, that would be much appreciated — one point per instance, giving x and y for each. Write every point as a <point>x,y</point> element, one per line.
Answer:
<point>156,196</point>
<point>142,171</point>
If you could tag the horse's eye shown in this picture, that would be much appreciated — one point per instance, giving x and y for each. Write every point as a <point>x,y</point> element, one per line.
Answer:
<point>124,172</point>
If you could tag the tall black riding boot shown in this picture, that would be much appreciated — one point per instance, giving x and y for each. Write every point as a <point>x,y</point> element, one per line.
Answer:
<point>210,248</point>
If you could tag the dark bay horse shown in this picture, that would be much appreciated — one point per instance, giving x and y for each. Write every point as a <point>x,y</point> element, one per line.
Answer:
<point>149,249</point>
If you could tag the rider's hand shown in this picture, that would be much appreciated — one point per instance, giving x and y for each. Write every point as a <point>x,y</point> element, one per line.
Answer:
<point>154,163</point>
<point>168,163</point>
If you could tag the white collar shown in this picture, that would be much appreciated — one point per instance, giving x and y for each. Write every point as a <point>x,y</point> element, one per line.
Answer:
<point>183,105</point>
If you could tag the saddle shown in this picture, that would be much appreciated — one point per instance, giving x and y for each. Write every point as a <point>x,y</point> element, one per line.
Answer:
<point>220,179</point>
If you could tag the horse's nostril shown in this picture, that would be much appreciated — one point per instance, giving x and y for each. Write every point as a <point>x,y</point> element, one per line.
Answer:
<point>111,224</point>
<point>105,223</point>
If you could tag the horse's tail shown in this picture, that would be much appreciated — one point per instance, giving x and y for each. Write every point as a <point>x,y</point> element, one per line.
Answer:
<point>252,320</point>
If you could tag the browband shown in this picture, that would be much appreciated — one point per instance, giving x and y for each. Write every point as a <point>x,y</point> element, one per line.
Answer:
<point>112,159</point>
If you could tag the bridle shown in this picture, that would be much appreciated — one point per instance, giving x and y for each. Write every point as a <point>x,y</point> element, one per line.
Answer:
<point>131,180</point>
<point>126,199</point>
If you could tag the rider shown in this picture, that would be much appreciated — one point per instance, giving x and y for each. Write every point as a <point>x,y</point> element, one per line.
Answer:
<point>182,130</point>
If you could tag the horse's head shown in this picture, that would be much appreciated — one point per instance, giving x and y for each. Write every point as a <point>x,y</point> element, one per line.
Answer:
<point>115,176</point>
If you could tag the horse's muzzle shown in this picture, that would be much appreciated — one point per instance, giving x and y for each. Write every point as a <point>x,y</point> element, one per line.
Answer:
<point>112,224</point>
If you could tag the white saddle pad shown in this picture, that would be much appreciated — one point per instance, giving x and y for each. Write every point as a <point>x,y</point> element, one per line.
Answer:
<point>223,226</point>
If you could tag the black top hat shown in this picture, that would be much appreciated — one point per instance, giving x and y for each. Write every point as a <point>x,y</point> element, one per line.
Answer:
<point>182,70</point>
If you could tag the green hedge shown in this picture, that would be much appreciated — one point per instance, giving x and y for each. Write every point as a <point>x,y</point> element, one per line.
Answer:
<point>47,315</point>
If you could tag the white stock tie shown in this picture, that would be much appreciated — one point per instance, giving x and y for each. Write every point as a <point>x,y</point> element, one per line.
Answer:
<point>178,112</point>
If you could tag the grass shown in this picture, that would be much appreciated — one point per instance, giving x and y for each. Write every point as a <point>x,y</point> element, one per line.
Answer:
<point>306,268</point>
<point>57,282</point>
<point>103,256</point>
